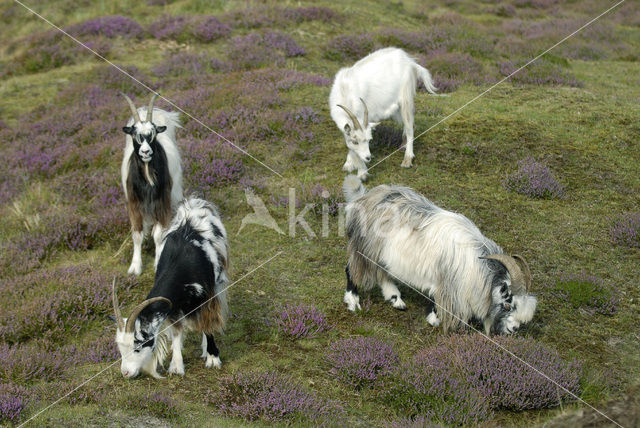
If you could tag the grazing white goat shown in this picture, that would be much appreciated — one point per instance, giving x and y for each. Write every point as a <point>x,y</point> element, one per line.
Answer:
<point>398,236</point>
<point>189,292</point>
<point>379,86</point>
<point>151,175</point>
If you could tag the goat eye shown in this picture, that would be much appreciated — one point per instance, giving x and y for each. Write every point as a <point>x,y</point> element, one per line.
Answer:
<point>507,306</point>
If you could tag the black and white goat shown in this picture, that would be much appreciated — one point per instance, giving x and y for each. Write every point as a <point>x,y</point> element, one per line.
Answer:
<point>398,236</point>
<point>379,86</point>
<point>151,174</point>
<point>189,292</point>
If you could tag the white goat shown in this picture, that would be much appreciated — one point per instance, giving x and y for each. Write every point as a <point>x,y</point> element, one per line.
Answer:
<point>398,236</point>
<point>379,86</point>
<point>151,175</point>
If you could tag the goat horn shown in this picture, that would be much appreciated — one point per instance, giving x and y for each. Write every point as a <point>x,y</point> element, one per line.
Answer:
<point>519,285</point>
<point>526,270</point>
<point>116,306</point>
<point>366,113</point>
<point>150,108</point>
<point>354,119</point>
<point>131,321</point>
<point>134,110</point>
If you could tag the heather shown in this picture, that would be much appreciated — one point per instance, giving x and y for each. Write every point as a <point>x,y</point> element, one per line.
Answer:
<point>262,48</point>
<point>534,179</point>
<point>259,75</point>
<point>625,230</point>
<point>13,400</point>
<point>271,397</point>
<point>361,361</point>
<point>464,379</point>
<point>586,292</point>
<point>300,321</point>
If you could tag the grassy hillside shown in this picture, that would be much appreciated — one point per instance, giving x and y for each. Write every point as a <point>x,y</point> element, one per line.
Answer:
<point>546,164</point>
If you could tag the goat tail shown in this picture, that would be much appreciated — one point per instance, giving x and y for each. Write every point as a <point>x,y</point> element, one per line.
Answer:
<point>424,75</point>
<point>352,188</point>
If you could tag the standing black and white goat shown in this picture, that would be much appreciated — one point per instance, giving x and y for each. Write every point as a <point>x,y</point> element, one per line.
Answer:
<point>189,292</point>
<point>151,175</point>
<point>379,86</point>
<point>398,236</point>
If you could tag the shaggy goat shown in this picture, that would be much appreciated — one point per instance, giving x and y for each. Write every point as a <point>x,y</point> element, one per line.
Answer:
<point>398,236</point>
<point>151,175</point>
<point>379,86</point>
<point>189,292</point>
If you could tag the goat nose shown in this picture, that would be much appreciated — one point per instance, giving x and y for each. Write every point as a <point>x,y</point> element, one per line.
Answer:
<point>367,158</point>
<point>125,373</point>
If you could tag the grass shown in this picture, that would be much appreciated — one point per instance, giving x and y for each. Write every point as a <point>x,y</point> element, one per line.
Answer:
<point>586,135</point>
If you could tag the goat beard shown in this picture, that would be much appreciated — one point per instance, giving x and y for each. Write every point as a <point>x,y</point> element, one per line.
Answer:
<point>147,175</point>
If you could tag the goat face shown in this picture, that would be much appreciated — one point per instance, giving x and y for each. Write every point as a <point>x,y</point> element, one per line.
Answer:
<point>510,313</point>
<point>144,138</point>
<point>358,141</point>
<point>136,349</point>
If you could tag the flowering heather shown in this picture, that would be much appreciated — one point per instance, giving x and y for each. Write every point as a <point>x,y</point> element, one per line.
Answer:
<point>169,27</point>
<point>587,292</point>
<point>187,63</point>
<point>210,162</point>
<point>534,179</point>
<point>625,230</point>
<point>278,17</point>
<point>13,400</point>
<point>349,47</point>
<point>361,361</point>
<point>210,29</point>
<point>102,350</point>
<point>81,295</point>
<point>113,79</point>
<point>107,26</point>
<point>270,397</point>
<point>34,362</point>
<point>460,68</point>
<point>258,49</point>
<point>541,72</point>
<point>301,321</point>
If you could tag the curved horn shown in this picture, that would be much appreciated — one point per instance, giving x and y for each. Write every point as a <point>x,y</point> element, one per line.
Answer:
<point>116,306</point>
<point>150,108</point>
<point>366,113</point>
<point>354,119</point>
<point>131,321</point>
<point>518,282</point>
<point>526,270</point>
<point>134,110</point>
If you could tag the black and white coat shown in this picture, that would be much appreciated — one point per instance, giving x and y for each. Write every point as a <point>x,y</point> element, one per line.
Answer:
<point>151,175</point>
<point>189,292</point>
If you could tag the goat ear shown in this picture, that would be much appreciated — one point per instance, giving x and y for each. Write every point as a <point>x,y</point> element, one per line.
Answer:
<point>372,125</point>
<point>347,129</point>
<point>160,129</point>
<point>128,130</point>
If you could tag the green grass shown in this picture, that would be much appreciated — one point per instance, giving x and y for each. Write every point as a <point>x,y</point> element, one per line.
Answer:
<point>587,135</point>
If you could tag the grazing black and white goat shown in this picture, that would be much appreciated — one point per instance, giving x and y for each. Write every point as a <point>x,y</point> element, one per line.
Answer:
<point>151,174</point>
<point>398,236</point>
<point>379,86</point>
<point>189,292</point>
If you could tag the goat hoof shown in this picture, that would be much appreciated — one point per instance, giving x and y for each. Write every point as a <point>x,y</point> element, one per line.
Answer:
<point>213,361</point>
<point>177,370</point>
<point>135,270</point>
<point>406,163</point>
<point>433,319</point>
<point>399,304</point>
